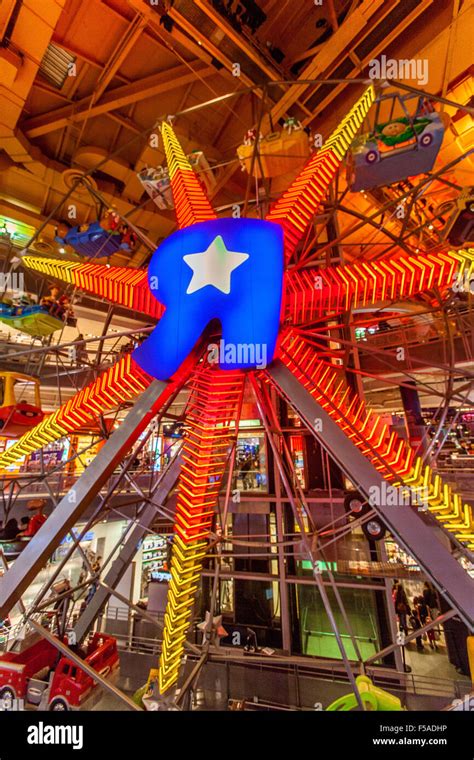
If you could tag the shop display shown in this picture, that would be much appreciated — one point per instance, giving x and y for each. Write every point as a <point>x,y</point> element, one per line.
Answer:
<point>156,550</point>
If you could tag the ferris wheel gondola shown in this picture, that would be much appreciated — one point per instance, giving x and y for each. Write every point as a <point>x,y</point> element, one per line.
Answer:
<point>17,416</point>
<point>401,142</point>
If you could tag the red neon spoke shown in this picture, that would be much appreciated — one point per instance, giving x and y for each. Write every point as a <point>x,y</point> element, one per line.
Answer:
<point>214,404</point>
<point>316,292</point>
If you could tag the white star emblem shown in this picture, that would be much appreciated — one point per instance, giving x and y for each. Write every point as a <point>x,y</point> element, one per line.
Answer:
<point>213,266</point>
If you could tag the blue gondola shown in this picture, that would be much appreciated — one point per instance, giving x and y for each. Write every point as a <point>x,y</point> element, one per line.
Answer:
<point>96,241</point>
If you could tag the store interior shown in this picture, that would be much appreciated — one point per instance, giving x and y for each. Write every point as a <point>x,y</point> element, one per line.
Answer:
<point>236,355</point>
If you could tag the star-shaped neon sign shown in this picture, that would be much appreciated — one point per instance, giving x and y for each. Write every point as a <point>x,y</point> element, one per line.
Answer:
<point>213,266</point>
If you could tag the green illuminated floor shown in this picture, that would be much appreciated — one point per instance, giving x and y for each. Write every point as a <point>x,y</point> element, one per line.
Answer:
<point>326,646</point>
<point>317,637</point>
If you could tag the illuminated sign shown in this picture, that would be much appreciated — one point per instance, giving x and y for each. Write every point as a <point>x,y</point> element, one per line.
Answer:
<point>160,576</point>
<point>225,269</point>
<point>89,536</point>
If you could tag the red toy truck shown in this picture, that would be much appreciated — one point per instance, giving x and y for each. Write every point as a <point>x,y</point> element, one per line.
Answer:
<point>41,677</point>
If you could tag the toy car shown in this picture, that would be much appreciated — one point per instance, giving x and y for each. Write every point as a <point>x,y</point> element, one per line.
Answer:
<point>41,677</point>
<point>17,416</point>
<point>395,149</point>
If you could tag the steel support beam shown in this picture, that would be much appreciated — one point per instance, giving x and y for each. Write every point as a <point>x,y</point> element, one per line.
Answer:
<point>117,570</point>
<point>307,543</point>
<point>411,532</point>
<point>73,504</point>
<point>148,87</point>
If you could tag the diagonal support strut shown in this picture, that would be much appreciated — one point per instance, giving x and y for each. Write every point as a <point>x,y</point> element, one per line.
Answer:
<point>15,582</point>
<point>165,484</point>
<point>416,537</point>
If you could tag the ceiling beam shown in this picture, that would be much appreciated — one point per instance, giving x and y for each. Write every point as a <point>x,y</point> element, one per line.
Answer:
<point>270,71</point>
<point>125,122</point>
<point>126,44</point>
<point>359,22</point>
<point>159,34</point>
<point>144,88</point>
<point>307,53</point>
<point>324,58</point>
<point>238,39</point>
<point>360,64</point>
<point>85,57</point>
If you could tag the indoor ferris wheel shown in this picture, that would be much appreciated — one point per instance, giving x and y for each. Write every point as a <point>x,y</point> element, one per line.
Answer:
<point>239,306</point>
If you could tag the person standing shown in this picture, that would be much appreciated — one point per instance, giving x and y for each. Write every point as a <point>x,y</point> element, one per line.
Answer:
<point>415,623</point>
<point>82,356</point>
<point>402,608</point>
<point>431,599</point>
<point>424,615</point>
<point>422,607</point>
<point>394,591</point>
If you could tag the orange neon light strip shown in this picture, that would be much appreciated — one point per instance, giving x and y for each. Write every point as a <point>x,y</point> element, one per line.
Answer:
<point>122,382</point>
<point>121,285</point>
<point>214,403</point>
<point>390,455</point>
<point>190,199</point>
<point>294,209</point>
<point>314,293</point>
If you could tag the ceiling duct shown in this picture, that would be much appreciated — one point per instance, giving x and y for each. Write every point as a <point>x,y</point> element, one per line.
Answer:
<point>30,29</point>
<point>56,65</point>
